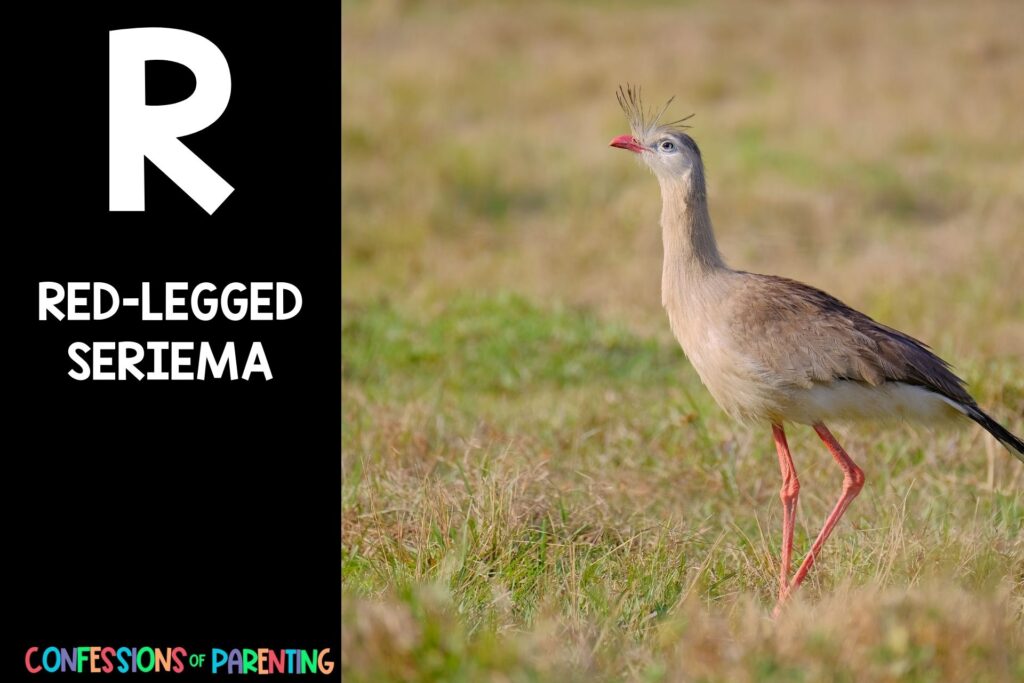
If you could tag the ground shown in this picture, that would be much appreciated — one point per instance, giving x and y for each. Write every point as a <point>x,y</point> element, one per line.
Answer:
<point>536,485</point>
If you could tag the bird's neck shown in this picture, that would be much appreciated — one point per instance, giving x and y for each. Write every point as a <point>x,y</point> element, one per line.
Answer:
<point>691,253</point>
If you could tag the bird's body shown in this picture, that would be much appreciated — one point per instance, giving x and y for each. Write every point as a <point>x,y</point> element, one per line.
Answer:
<point>744,336</point>
<point>774,350</point>
<point>767,347</point>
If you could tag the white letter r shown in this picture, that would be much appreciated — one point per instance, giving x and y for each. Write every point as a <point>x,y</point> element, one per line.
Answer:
<point>138,131</point>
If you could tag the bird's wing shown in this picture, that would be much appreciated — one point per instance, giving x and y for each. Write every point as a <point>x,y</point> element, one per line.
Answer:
<point>807,336</point>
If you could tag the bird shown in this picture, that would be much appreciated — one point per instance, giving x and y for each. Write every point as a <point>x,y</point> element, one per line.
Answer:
<point>773,350</point>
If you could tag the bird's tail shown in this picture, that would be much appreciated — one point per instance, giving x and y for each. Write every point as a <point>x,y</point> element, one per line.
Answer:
<point>1012,443</point>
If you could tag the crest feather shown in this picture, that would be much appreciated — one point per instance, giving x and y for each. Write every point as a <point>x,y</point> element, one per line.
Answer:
<point>642,123</point>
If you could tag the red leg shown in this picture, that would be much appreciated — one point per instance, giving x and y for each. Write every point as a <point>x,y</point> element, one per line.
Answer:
<point>789,494</point>
<point>853,482</point>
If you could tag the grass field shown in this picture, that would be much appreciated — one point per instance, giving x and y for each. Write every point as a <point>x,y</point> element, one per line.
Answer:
<point>536,485</point>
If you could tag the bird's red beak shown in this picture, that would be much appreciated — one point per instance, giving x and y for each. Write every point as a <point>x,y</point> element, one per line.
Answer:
<point>627,142</point>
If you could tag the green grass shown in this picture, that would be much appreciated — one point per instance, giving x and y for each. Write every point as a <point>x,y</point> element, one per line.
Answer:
<point>502,344</point>
<point>512,468</point>
<point>536,485</point>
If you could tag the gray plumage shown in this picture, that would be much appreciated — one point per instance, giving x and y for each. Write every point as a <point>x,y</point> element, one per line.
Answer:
<point>770,348</point>
<point>842,344</point>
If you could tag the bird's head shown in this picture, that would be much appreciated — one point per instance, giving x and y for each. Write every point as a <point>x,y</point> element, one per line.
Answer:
<point>664,147</point>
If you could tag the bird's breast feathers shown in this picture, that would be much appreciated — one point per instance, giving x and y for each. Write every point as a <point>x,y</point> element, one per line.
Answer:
<point>737,382</point>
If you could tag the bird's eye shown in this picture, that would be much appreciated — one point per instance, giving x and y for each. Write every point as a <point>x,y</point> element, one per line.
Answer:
<point>667,146</point>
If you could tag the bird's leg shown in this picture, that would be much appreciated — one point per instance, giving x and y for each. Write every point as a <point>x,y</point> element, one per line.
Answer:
<point>853,482</point>
<point>789,493</point>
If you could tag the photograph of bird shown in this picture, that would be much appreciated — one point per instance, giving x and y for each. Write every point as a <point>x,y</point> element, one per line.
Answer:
<point>773,350</point>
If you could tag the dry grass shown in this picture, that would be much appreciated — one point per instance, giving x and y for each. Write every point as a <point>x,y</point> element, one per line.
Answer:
<point>871,150</point>
<point>934,633</point>
<point>536,485</point>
